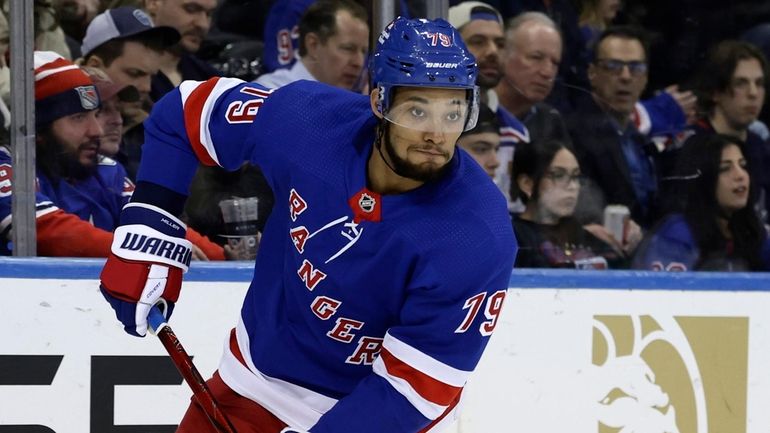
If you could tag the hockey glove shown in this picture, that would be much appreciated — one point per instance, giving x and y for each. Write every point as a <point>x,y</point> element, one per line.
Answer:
<point>149,254</point>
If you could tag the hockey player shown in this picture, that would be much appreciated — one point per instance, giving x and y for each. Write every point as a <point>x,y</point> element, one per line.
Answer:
<point>384,264</point>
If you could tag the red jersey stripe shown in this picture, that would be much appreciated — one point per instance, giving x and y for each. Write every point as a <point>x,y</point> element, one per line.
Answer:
<point>193,112</point>
<point>428,388</point>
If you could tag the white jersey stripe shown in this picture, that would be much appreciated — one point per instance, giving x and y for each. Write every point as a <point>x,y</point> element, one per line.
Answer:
<point>424,363</point>
<point>642,119</point>
<point>204,134</point>
<point>292,404</point>
<point>186,88</point>
<point>42,208</point>
<point>427,408</point>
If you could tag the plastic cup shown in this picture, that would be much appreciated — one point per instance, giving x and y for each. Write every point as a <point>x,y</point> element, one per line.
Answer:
<point>240,216</point>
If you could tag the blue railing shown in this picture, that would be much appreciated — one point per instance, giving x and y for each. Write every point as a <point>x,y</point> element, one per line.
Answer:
<point>58,268</point>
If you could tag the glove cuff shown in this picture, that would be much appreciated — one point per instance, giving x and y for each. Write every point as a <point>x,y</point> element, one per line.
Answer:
<point>149,234</point>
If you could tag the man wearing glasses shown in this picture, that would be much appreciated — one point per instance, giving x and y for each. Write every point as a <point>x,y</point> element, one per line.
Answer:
<point>611,150</point>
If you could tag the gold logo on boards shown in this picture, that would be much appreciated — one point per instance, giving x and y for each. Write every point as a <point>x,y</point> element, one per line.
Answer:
<point>657,374</point>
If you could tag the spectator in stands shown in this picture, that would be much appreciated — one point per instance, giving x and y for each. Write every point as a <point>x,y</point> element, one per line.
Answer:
<point>532,57</point>
<point>717,228</point>
<point>74,16</point>
<point>483,141</point>
<point>731,87</point>
<point>333,40</point>
<point>124,43</point>
<point>192,19</point>
<point>571,71</point>
<point>612,152</point>
<point>80,193</point>
<point>112,96</point>
<point>47,32</point>
<point>595,17</point>
<point>281,34</point>
<point>547,179</point>
<point>49,36</point>
<point>531,60</point>
<point>481,28</point>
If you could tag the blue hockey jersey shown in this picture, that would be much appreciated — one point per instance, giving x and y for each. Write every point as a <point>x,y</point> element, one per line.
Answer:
<point>282,33</point>
<point>366,312</point>
<point>672,247</point>
<point>97,199</point>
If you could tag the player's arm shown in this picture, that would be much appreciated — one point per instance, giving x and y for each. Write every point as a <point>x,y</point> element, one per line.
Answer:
<point>199,122</point>
<point>425,362</point>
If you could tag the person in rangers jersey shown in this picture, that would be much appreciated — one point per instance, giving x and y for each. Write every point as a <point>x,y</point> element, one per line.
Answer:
<point>385,262</point>
<point>79,193</point>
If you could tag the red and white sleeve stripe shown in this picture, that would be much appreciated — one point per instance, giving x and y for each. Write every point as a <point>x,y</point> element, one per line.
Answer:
<point>198,100</point>
<point>509,134</point>
<point>428,384</point>
<point>641,119</point>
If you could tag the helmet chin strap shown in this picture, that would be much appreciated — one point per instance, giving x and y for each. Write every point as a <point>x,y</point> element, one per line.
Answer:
<point>383,133</point>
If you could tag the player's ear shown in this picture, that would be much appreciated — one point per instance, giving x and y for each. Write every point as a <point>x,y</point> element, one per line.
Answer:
<point>374,100</point>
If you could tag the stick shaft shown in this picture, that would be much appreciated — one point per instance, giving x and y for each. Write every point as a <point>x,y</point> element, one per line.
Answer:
<point>201,392</point>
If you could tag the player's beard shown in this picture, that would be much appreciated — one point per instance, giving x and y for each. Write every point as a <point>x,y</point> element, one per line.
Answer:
<point>401,166</point>
<point>56,162</point>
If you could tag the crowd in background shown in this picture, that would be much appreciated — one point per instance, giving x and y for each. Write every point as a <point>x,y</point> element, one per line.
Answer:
<point>624,133</point>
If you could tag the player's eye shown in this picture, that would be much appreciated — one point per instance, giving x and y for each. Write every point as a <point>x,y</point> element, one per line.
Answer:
<point>453,116</point>
<point>417,112</point>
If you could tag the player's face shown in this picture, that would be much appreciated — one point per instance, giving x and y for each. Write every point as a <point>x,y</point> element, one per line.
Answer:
<point>483,148</point>
<point>339,61</point>
<point>733,183</point>
<point>559,188</point>
<point>741,103</point>
<point>618,75</point>
<point>191,18</point>
<point>112,126</point>
<point>78,135</point>
<point>532,61</point>
<point>485,41</point>
<point>422,142</point>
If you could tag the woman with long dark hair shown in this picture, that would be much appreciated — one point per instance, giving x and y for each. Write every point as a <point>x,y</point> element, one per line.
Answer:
<point>715,226</point>
<point>547,179</point>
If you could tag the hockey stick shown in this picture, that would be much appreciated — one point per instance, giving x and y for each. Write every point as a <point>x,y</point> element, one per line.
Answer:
<point>201,393</point>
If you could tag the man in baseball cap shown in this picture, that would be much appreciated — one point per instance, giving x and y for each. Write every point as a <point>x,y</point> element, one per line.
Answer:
<point>124,43</point>
<point>481,28</point>
<point>127,46</point>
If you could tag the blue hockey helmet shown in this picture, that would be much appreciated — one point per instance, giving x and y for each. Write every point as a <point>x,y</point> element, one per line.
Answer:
<point>424,53</point>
